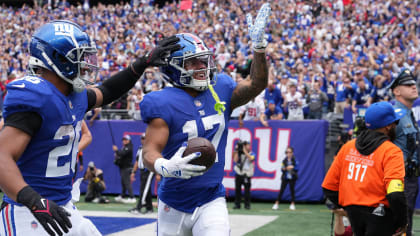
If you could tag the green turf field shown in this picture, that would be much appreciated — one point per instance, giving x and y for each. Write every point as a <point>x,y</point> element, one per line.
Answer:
<point>307,219</point>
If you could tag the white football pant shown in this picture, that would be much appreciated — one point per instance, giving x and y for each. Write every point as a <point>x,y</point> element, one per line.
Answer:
<point>208,220</point>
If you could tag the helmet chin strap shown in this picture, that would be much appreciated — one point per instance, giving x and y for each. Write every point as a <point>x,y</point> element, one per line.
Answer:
<point>78,85</point>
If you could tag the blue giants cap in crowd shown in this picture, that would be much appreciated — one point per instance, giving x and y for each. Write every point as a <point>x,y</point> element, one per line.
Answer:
<point>381,114</point>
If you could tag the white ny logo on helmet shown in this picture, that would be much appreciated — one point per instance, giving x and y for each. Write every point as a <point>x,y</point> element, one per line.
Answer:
<point>63,29</point>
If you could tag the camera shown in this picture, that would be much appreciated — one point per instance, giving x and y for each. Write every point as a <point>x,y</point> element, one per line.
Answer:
<point>240,149</point>
<point>359,125</point>
<point>240,146</point>
<point>91,168</point>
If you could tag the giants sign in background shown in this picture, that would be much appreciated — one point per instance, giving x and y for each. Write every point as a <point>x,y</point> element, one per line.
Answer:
<point>269,144</point>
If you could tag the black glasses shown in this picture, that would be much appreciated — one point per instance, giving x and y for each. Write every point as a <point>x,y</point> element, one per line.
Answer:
<point>288,152</point>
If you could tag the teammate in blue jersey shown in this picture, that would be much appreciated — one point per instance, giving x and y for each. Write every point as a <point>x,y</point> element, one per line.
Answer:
<point>43,114</point>
<point>192,201</point>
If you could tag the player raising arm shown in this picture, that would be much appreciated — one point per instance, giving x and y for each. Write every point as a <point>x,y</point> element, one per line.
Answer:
<point>43,114</point>
<point>196,106</point>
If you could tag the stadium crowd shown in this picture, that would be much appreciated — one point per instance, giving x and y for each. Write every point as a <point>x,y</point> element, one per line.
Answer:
<point>351,49</point>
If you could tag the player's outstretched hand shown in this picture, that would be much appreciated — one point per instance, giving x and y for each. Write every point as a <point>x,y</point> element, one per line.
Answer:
<point>47,212</point>
<point>158,55</point>
<point>178,166</point>
<point>256,29</point>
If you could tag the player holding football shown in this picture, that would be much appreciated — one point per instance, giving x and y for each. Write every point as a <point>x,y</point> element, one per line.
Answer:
<point>192,202</point>
<point>43,114</point>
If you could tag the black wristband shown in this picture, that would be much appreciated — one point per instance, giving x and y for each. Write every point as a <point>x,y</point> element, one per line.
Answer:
<point>27,196</point>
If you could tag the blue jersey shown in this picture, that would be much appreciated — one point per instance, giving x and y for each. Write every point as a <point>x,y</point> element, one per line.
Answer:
<point>268,113</point>
<point>188,117</point>
<point>48,162</point>
<point>361,96</point>
<point>274,95</point>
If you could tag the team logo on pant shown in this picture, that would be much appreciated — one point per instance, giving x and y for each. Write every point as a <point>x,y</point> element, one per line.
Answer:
<point>34,224</point>
<point>197,103</point>
<point>166,208</point>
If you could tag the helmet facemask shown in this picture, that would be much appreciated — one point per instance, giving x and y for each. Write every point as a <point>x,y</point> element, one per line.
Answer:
<point>197,70</point>
<point>87,66</point>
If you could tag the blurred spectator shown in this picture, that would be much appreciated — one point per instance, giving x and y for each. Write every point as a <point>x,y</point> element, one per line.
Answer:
<point>315,100</point>
<point>273,112</point>
<point>361,94</point>
<point>146,177</point>
<point>283,85</point>
<point>253,110</point>
<point>293,103</point>
<point>123,159</point>
<point>133,101</point>
<point>379,91</point>
<point>96,184</point>
<point>151,81</point>
<point>289,167</point>
<point>244,170</point>
<point>241,63</point>
<point>343,94</point>
<point>306,39</point>
<point>272,93</point>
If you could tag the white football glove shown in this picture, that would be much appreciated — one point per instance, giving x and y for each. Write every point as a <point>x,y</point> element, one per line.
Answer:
<point>178,166</point>
<point>256,30</point>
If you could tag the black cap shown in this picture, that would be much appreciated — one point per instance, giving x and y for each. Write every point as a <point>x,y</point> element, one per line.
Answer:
<point>404,78</point>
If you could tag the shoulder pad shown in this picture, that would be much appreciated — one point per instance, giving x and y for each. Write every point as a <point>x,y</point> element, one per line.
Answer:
<point>225,79</point>
<point>26,94</point>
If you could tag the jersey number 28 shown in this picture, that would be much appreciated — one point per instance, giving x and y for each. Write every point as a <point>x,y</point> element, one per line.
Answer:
<point>53,170</point>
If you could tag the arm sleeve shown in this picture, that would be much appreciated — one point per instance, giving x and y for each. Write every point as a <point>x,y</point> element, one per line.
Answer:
<point>398,205</point>
<point>28,122</point>
<point>91,95</point>
<point>332,196</point>
<point>118,84</point>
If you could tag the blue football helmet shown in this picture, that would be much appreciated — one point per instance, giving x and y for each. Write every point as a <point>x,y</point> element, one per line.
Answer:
<point>62,47</point>
<point>191,66</point>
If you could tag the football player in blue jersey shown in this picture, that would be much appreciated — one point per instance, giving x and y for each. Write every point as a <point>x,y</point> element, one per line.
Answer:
<point>43,114</point>
<point>192,200</point>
